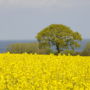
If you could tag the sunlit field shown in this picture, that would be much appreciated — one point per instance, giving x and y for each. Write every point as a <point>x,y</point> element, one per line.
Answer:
<point>44,72</point>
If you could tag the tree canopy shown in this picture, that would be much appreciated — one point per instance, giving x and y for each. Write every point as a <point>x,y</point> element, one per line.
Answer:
<point>60,36</point>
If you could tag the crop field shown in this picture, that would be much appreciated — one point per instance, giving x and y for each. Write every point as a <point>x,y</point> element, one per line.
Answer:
<point>44,72</point>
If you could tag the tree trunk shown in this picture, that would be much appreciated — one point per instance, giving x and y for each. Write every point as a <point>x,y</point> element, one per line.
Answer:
<point>57,48</point>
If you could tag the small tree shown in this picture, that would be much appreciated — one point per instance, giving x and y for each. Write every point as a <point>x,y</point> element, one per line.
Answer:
<point>60,36</point>
<point>86,51</point>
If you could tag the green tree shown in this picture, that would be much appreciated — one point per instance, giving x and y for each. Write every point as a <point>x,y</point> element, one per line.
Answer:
<point>60,36</point>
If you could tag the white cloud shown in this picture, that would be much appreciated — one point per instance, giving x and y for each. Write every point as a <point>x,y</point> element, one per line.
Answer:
<point>43,3</point>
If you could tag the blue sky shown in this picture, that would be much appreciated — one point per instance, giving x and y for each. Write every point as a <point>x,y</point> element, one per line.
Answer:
<point>23,19</point>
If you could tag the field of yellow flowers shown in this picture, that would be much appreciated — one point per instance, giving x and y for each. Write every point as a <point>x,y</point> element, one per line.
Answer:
<point>44,72</point>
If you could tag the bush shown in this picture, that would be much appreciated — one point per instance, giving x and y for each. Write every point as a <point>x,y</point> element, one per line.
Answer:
<point>27,47</point>
<point>86,51</point>
<point>71,52</point>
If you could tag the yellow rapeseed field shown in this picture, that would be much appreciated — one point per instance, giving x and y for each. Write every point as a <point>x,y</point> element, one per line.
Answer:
<point>44,72</point>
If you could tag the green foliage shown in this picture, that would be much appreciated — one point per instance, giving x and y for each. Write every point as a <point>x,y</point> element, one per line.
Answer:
<point>27,48</point>
<point>22,47</point>
<point>60,36</point>
<point>86,51</point>
<point>71,52</point>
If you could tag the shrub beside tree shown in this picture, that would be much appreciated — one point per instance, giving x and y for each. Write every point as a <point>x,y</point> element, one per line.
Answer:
<point>27,47</point>
<point>71,52</point>
<point>22,47</point>
<point>86,51</point>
